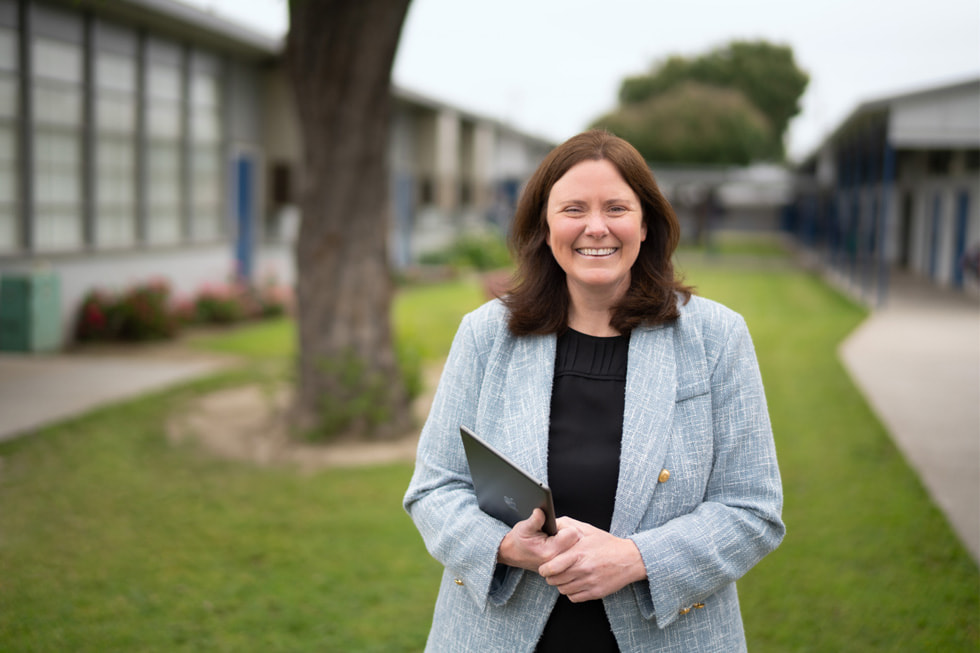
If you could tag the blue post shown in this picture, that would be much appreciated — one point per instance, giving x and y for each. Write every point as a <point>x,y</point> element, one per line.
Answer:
<point>854,216</point>
<point>404,208</point>
<point>833,243</point>
<point>959,244</point>
<point>243,244</point>
<point>887,186</point>
<point>934,230</point>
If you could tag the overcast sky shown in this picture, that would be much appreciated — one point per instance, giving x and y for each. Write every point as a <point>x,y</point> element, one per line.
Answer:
<point>551,66</point>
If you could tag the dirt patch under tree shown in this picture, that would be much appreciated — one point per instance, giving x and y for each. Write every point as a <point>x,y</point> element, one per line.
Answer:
<point>249,424</point>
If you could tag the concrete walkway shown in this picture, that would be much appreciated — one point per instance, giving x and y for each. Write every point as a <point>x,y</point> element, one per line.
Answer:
<point>917,361</point>
<point>40,389</point>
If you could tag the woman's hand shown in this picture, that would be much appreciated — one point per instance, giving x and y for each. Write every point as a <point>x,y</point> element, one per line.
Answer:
<point>528,547</point>
<point>596,565</point>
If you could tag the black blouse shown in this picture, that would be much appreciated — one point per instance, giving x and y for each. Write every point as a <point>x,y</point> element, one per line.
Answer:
<point>585,435</point>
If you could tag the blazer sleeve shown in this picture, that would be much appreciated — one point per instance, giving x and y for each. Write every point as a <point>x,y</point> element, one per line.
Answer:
<point>440,497</point>
<point>738,522</point>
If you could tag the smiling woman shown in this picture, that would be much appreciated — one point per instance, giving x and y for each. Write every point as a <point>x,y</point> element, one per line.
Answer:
<point>595,227</point>
<point>640,405</point>
<point>593,183</point>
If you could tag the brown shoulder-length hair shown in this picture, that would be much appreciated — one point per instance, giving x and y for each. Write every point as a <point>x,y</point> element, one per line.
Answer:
<point>538,298</point>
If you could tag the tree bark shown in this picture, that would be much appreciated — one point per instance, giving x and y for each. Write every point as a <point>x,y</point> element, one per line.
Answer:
<point>339,54</point>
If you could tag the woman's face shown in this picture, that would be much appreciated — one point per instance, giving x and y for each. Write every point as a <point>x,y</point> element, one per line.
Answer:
<point>595,227</point>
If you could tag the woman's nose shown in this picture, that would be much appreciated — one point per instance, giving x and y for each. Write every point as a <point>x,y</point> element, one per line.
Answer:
<point>596,224</point>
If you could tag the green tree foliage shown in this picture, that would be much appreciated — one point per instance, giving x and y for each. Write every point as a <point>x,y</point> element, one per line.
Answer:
<point>694,123</point>
<point>764,74</point>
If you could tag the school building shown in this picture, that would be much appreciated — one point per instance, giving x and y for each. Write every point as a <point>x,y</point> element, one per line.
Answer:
<point>145,139</point>
<point>896,186</point>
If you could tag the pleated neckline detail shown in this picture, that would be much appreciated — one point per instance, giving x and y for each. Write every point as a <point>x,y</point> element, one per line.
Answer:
<point>595,357</point>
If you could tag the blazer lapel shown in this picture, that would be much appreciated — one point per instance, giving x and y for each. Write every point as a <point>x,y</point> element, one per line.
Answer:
<point>651,389</point>
<point>516,408</point>
<point>538,381</point>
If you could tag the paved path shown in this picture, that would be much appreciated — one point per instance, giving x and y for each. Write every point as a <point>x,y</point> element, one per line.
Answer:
<point>917,361</point>
<point>41,389</point>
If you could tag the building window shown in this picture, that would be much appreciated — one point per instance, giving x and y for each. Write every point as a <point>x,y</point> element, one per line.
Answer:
<point>115,89</point>
<point>938,162</point>
<point>205,156</point>
<point>163,154</point>
<point>9,127</point>
<point>57,105</point>
<point>972,160</point>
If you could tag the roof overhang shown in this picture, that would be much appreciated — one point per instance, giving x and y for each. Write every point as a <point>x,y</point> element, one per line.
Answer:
<point>940,117</point>
<point>185,23</point>
<point>946,118</point>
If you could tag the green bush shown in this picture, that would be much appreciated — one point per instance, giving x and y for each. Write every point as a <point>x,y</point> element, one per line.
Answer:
<point>355,398</point>
<point>359,400</point>
<point>222,304</point>
<point>273,298</point>
<point>475,251</point>
<point>232,302</point>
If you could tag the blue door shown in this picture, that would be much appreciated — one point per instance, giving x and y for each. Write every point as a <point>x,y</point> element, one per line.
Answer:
<point>959,244</point>
<point>404,208</point>
<point>244,209</point>
<point>934,232</point>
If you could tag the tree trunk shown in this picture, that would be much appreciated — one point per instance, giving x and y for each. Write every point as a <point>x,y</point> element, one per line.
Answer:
<point>339,54</point>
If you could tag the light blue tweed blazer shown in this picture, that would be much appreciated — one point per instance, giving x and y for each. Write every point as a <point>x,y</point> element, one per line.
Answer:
<point>694,406</point>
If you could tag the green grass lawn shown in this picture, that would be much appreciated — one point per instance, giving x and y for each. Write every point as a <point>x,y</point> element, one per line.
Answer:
<point>111,539</point>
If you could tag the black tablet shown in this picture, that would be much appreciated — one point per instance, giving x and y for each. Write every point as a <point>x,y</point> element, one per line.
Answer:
<point>503,489</point>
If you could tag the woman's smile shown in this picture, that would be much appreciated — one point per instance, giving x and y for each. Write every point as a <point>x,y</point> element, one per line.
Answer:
<point>605,251</point>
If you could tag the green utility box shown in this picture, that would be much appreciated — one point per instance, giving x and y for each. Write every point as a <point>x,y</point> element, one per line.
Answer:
<point>30,312</point>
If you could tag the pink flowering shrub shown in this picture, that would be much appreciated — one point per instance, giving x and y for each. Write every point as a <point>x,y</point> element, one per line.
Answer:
<point>185,310</point>
<point>274,299</point>
<point>93,321</point>
<point>221,304</point>
<point>147,311</point>
<point>142,312</point>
